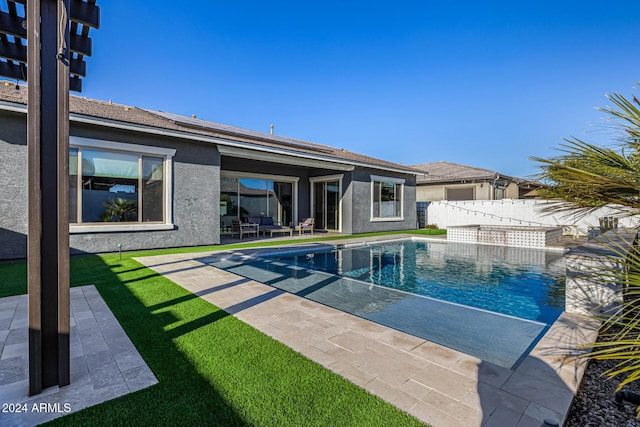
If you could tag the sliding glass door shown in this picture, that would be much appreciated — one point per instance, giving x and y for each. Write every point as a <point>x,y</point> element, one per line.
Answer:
<point>282,203</point>
<point>251,197</point>
<point>326,204</point>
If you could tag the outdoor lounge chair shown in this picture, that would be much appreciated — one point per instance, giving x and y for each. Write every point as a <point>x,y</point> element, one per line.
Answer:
<point>242,228</point>
<point>306,225</point>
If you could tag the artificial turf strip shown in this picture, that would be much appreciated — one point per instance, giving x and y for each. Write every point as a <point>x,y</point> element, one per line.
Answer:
<point>13,279</point>
<point>13,274</point>
<point>212,368</point>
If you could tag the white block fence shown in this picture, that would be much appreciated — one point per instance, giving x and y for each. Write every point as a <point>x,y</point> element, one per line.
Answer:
<point>518,212</point>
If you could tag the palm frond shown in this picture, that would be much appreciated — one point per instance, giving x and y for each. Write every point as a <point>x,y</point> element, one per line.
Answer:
<point>586,176</point>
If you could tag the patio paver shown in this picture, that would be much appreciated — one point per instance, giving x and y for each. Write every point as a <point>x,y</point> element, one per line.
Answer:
<point>104,362</point>
<point>438,385</point>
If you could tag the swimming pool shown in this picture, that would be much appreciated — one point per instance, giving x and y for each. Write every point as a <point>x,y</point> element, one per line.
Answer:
<point>525,283</point>
<point>492,302</point>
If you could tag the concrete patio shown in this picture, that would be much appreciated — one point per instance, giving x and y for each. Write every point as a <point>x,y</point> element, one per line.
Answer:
<point>104,362</point>
<point>440,386</point>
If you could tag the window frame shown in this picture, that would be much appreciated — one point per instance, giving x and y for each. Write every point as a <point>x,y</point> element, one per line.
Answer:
<point>326,178</point>
<point>460,188</point>
<point>166,154</point>
<point>398,183</point>
<point>294,180</point>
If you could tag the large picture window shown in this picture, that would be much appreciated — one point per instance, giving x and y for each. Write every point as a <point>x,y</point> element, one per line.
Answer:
<point>118,184</point>
<point>386,198</point>
<point>244,196</point>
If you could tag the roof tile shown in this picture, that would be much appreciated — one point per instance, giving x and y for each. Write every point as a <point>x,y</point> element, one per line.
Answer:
<point>157,119</point>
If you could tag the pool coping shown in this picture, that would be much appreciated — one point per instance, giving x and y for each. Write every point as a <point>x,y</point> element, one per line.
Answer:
<point>436,384</point>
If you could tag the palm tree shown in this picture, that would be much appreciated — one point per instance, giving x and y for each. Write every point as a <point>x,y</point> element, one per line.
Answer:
<point>586,176</point>
<point>119,209</point>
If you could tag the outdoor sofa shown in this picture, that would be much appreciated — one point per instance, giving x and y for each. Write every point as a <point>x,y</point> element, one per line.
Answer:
<point>268,226</point>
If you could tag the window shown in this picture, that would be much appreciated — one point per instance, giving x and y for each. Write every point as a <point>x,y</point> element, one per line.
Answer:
<point>247,195</point>
<point>113,184</point>
<point>386,198</point>
<point>465,193</point>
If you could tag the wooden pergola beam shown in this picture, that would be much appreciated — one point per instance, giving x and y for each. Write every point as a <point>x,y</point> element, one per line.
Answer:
<point>79,43</point>
<point>75,84</point>
<point>10,25</point>
<point>13,51</point>
<point>18,53</point>
<point>85,13</point>
<point>13,71</point>
<point>82,15</point>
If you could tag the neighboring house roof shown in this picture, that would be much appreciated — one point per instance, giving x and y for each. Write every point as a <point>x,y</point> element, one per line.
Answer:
<point>447,172</point>
<point>230,185</point>
<point>108,113</point>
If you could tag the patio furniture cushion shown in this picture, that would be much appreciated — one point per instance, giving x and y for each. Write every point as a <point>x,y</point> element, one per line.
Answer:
<point>253,220</point>
<point>270,227</point>
<point>306,225</point>
<point>265,222</point>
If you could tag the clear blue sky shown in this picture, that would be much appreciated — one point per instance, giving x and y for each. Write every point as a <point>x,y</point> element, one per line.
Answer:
<point>486,84</point>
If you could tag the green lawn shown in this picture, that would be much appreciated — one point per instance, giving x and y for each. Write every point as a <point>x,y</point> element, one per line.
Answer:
<point>212,368</point>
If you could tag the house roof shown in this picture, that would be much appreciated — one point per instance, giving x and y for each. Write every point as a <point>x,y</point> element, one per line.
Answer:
<point>109,113</point>
<point>447,172</point>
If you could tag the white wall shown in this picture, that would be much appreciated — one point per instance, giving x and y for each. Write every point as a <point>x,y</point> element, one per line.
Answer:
<point>520,212</point>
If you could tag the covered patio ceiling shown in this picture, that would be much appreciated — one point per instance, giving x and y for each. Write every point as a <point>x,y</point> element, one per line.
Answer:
<point>294,160</point>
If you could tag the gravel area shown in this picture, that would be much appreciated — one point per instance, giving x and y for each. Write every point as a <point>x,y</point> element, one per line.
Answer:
<point>594,406</point>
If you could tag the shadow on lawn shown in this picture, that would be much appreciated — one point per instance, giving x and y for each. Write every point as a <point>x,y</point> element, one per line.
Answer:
<point>182,396</point>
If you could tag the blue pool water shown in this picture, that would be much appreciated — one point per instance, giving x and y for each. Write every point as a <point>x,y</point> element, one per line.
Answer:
<point>521,282</point>
<point>491,302</point>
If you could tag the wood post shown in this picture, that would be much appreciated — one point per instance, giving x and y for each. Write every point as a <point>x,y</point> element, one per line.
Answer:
<point>48,57</point>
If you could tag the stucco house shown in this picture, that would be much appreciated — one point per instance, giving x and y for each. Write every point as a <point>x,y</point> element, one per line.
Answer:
<point>150,179</point>
<point>452,181</point>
